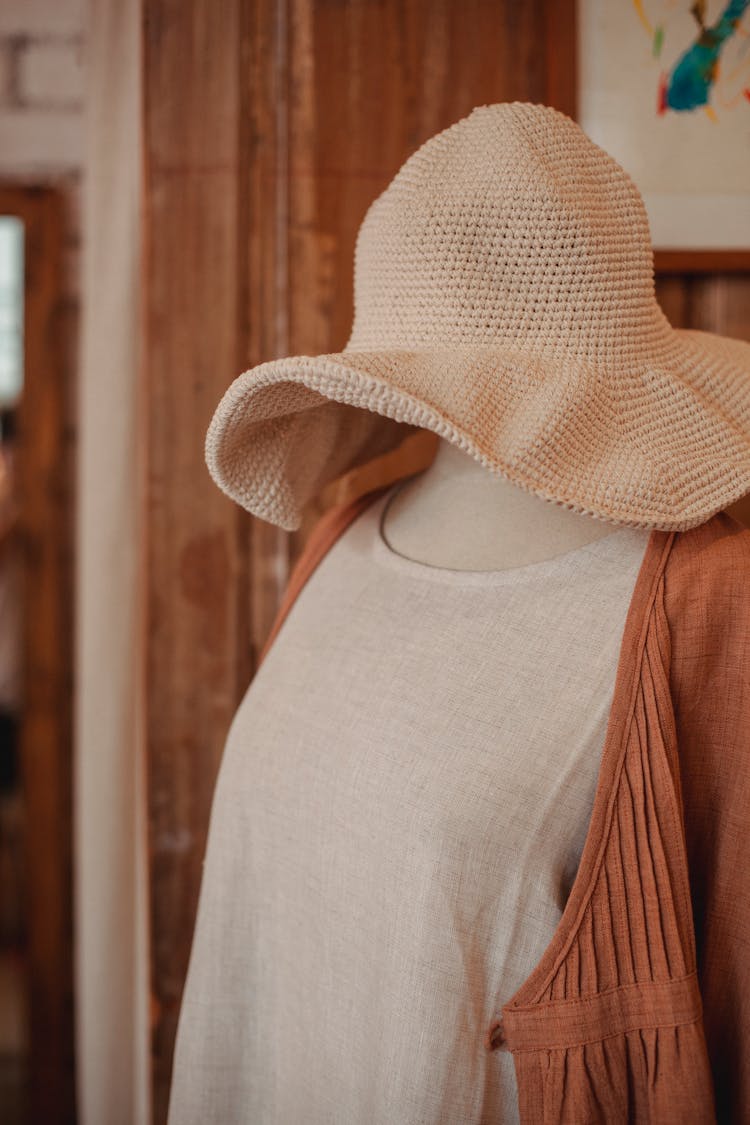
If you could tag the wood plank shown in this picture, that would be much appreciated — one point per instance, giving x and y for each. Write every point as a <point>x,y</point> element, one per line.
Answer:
<point>683,262</point>
<point>194,626</point>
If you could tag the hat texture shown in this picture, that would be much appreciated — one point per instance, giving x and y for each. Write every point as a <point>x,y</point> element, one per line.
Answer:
<point>504,299</point>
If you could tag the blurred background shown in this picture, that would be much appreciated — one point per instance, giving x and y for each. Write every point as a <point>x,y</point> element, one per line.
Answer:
<point>181,186</point>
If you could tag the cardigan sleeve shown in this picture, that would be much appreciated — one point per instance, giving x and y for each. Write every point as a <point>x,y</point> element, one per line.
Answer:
<point>707,601</point>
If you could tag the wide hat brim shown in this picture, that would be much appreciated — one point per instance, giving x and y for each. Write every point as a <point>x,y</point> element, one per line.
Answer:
<point>662,444</point>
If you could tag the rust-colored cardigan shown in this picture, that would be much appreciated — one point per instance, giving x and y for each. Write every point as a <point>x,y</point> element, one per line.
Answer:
<point>639,1009</point>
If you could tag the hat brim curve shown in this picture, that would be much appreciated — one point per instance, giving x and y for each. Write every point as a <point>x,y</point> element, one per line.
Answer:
<point>661,444</point>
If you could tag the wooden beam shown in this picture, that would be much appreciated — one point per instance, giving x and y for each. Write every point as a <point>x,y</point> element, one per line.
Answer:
<point>196,574</point>
<point>701,261</point>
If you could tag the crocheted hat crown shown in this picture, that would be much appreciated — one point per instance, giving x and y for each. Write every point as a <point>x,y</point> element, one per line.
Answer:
<point>504,299</point>
<point>499,229</point>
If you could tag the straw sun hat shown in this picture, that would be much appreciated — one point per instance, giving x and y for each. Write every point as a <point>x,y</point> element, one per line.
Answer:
<point>504,299</point>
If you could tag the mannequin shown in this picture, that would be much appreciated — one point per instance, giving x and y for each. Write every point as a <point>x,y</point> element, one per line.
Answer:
<point>458,514</point>
<point>407,786</point>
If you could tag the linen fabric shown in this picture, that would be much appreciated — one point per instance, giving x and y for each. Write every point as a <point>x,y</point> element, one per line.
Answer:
<point>397,823</point>
<point>504,298</point>
<point>639,1008</point>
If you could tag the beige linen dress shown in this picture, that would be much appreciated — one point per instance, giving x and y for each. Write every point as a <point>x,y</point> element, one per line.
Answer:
<point>399,816</point>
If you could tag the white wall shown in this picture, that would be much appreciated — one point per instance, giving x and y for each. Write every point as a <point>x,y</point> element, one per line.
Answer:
<point>110,848</point>
<point>42,93</point>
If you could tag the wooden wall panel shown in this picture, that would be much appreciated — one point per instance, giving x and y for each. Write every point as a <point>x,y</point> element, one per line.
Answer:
<point>196,563</point>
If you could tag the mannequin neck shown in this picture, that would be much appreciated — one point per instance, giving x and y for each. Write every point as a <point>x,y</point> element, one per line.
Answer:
<point>458,514</point>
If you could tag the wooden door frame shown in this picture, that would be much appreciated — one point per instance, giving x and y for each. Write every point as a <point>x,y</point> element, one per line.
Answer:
<point>45,734</point>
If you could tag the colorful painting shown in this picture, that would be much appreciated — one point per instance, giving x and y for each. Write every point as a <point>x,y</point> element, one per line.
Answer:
<point>700,76</point>
<point>664,86</point>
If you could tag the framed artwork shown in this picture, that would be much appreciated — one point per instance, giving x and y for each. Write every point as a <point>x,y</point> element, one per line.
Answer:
<point>664,86</point>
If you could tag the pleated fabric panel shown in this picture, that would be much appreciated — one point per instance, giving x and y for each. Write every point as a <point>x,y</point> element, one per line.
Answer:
<point>619,1016</point>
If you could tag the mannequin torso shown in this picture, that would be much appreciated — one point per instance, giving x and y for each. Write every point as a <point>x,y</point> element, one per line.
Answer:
<point>458,514</point>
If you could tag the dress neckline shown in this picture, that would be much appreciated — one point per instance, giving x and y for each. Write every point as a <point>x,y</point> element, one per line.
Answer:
<point>606,547</point>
